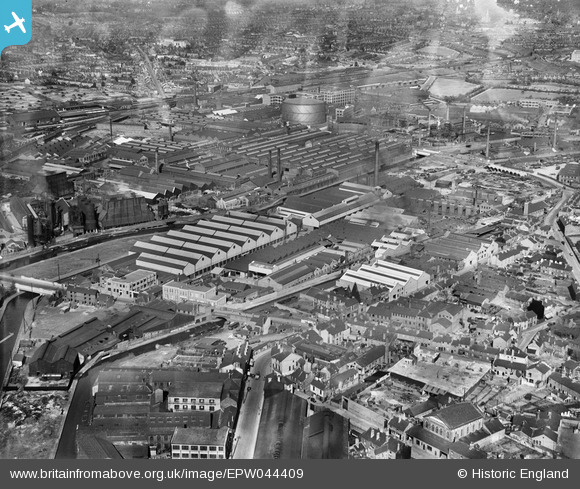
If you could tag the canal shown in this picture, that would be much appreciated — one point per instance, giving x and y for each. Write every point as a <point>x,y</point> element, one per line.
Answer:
<point>9,327</point>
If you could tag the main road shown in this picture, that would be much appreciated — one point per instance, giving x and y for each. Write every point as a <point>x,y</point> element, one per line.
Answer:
<point>249,419</point>
<point>570,254</point>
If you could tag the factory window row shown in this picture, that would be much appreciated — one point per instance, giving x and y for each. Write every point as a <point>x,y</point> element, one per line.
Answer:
<point>195,455</point>
<point>194,400</point>
<point>192,407</point>
<point>201,448</point>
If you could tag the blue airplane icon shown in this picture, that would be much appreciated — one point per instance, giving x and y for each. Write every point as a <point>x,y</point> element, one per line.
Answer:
<point>16,17</point>
<point>17,23</point>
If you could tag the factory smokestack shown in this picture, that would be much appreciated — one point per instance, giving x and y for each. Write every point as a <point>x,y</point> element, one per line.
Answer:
<point>270,163</point>
<point>170,133</point>
<point>279,166</point>
<point>376,183</point>
<point>111,126</point>
<point>464,126</point>
<point>555,132</point>
<point>487,142</point>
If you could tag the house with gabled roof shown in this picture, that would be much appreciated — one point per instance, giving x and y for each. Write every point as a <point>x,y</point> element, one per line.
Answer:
<point>421,409</point>
<point>345,362</point>
<point>329,370</point>
<point>333,332</point>
<point>545,438</point>
<point>442,342</point>
<point>461,346</point>
<point>277,383</point>
<point>502,342</point>
<point>539,430</point>
<point>555,346</point>
<point>564,385</point>
<point>369,361</point>
<point>299,377</point>
<point>397,428</point>
<point>393,449</point>
<point>82,295</point>
<point>524,320</point>
<point>286,362</point>
<point>340,304</point>
<point>441,325</point>
<point>537,374</point>
<point>571,369</point>
<point>319,388</point>
<point>511,363</point>
<point>237,358</point>
<point>372,439</point>
<point>483,329</point>
<point>536,346</point>
<point>424,338</point>
<point>484,352</point>
<point>341,382</point>
<point>312,336</point>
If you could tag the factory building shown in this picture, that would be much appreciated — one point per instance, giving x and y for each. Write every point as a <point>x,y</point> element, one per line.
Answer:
<point>328,205</point>
<point>124,212</point>
<point>464,251</point>
<point>194,442</point>
<point>129,286</point>
<point>399,280</point>
<point>198,248</point>
<point>183,292</point>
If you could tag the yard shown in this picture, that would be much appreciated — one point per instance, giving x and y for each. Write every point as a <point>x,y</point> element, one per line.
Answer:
<point>50,321</point>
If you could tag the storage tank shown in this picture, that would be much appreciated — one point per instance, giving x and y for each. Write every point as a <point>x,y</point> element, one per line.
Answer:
<point>303,110</point>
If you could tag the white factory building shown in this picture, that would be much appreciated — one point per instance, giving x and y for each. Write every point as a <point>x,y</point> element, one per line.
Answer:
<point>328,205</point>
<point>400,280</point>
<point>210,243</point>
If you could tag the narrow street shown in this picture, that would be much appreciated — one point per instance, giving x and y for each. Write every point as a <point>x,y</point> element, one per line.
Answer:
<point>249,420</point>
<point>528,335</point>
<point>569,253</point>
<point>553,214</point>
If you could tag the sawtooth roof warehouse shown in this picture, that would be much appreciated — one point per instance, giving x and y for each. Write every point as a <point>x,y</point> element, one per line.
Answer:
<point>211,243</point>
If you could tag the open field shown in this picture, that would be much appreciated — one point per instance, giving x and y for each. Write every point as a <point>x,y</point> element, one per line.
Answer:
<point>448,87</point>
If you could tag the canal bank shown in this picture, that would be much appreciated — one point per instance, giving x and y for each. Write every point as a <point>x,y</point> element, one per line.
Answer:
<point>12,321</point>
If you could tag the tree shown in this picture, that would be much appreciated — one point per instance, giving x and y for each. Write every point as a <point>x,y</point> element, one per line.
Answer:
<point>355,293</point>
